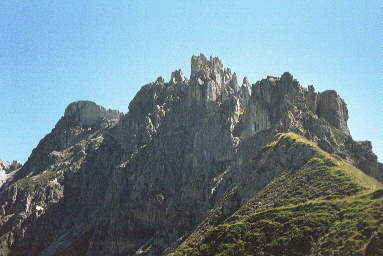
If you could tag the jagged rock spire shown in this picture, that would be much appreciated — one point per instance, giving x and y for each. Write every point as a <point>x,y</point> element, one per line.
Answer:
<point>177,77</point>
<point>219,82</point>
<point>201,63</point>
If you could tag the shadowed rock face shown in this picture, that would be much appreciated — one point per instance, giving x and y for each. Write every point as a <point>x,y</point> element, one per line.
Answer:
<point>107,183</point>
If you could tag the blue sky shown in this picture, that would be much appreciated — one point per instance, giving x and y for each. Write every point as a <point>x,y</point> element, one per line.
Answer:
<point>55,52</point>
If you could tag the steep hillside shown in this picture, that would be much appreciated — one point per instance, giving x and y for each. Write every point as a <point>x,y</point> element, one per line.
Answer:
<point>325,207</point>
<point>187,155</point>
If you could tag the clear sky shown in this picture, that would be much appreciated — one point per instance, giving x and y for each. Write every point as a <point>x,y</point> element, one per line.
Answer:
<point>55,52</point>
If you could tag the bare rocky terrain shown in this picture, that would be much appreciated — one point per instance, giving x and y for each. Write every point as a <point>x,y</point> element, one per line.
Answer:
<point>191,158</point>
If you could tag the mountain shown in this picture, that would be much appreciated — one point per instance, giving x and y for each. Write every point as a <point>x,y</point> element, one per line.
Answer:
<point>199,166</point>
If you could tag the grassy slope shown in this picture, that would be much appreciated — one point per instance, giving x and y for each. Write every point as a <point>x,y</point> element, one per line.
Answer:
<point>325,208</point>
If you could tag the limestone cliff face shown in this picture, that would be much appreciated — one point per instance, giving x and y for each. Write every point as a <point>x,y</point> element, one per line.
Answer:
<point>107,183</point>
<point>329,106</point>
<point>210,81</point>
<point>280,104</point>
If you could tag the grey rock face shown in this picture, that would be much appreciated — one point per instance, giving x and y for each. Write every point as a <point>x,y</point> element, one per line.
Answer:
<point>332,108</point>
<point>280,105</point>
<point>89,113</point>
<point>364,158</point>
<point>210,82</point>
<point>177,77</point>
<point>312,99</point>
<point>329,106</point>
<point>107,183</point>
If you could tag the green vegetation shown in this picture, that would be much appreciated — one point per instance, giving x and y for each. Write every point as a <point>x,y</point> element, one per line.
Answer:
<point>327,207</point>
<point>337,167</point>
<point>32,181</point>
<point>313,228</point>
<point>292,138</point>
<point>338,134</point>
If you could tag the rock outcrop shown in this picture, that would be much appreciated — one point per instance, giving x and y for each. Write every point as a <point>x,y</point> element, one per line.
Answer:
<point>211,82</point>
<point>332,108</point>
<point>364,158</point>
<point>8,167</point>
<point>329,106</point>
<point>88,113</point>
<point>107,183</point>
<point>6,170</point>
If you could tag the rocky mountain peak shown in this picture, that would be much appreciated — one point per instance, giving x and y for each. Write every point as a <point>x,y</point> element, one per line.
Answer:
<point>210,81</point>
<point>287,77</point>
<point>204,70</point>
<point>202,64</point>
<point>188,150</point>
<point>160,80</point>
<point>177,77</point>
<point>89,113</point>
<point>246,82</point>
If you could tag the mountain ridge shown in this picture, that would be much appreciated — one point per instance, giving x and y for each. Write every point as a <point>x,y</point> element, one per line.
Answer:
<point>142,180</point>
